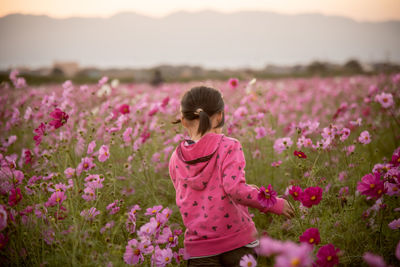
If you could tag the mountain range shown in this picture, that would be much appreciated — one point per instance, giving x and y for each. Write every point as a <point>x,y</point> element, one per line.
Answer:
<point>206,38</point>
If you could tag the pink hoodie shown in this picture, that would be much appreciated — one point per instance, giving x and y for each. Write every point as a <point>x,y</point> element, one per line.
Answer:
<point>213,196</point>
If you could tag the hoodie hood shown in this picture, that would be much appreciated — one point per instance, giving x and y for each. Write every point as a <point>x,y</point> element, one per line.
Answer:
<point>197,161</point>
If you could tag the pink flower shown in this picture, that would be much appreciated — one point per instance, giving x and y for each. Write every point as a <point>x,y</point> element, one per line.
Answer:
<point>295,191</point>
<point>113,207</point>
<point>154,210</point>
<point>364,138</point>
<point>90,214</point>
<point>108,225</point>
<point>310,236</point>
<point>281,144</point>
<point>395,224</point>
<point>261,132</point>
<point>104,153</point>
<point>85,165</point>
<point>15,196</point>
<point>89,194</point>
<point>248,261</point>
<point>133,255</point>
<point>267,196</point>
<point>344,134</point>
<point>371,186</point>
<point>269,246</point>
<point>59,118</point>
<point>94,181</point>
<point>3,218</point>
<point>385,99</point>
<point>69,172</point>
<point>233,82</point>
<point>103,81</point>
<point>148,229</point>
<point>56,199</point>
<point>327,256</point>
<point>162,257</point>
<point>373,260</point>
<point>124,109</point>
<point>91,147</point>
<point>311,196</point>
<point>294,255</point>
<point>276,163</point>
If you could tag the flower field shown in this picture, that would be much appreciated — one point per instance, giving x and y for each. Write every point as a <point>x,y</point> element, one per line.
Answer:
<point>84,170</point>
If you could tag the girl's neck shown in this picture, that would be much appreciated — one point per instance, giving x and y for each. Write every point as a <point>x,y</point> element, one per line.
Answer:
<point>196,136</point>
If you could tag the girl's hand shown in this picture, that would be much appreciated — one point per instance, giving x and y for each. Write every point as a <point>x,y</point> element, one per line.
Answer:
<point>288,211</point>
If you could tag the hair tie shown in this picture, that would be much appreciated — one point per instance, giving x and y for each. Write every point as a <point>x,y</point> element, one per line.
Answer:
<point>197,112</point>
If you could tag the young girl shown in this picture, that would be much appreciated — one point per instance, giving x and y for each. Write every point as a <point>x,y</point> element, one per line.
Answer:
<point>211,192</point>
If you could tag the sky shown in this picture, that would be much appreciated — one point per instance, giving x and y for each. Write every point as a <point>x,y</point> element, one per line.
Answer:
<point>360,10</point>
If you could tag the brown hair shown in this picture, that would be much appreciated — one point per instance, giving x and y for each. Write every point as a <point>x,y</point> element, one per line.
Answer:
<point>202,102</point>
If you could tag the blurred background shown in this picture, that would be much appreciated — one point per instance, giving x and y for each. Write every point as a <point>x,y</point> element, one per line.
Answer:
<point>159,41</point>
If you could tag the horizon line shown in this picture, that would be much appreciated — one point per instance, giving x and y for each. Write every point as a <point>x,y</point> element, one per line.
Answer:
<point>198,11</point>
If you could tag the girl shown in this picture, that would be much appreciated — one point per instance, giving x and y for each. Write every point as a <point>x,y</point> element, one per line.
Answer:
<point>211,192</point>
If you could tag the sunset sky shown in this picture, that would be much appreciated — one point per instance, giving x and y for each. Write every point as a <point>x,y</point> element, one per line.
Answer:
<point>361,10</point>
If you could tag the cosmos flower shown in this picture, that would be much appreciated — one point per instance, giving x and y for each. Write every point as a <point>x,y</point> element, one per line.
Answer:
<point>311,196</point>
<point>364,138</point>
<point>248,261</point>
<point>300,154</point>
<point>233,82</point>
<point>104,153</point>
<point>59,118</point>
<point>310,236</point>
<point>267,196</point>
<point>371,185</point>
<point>295,191</point>
<point>327,256</point>
<point>385,99</point>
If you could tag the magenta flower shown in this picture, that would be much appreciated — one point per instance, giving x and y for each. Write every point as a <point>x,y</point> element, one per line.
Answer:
<point>310,236</point>
<point>248,261</point>
<point>133,255</point>
<point>56,198</point>
<point>364,138</point>
<point>267,196</point>
<point>371,185</point>
<point>300,154</point>
<point>261,132</point>
<point>3,218</point>
<point>154,210</point>
<point>311,196</point>
<point>39,131</point>
<point>295,191</point>
<point>59,118</point>
<point>373,260</point>
<point>104,153</point>
<point>162,257</point>
<point>15,196</point>
<point>233,82</point>
<point>124,109</point>
<point>327,256</point>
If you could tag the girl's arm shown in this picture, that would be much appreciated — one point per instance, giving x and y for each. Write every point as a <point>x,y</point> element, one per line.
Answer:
<point>234,182</point>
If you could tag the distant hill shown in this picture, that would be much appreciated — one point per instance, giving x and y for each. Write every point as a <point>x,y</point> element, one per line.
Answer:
<point>206,38</point>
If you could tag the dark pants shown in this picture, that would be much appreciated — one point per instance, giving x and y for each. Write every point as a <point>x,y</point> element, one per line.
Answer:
<point>229,258</point>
